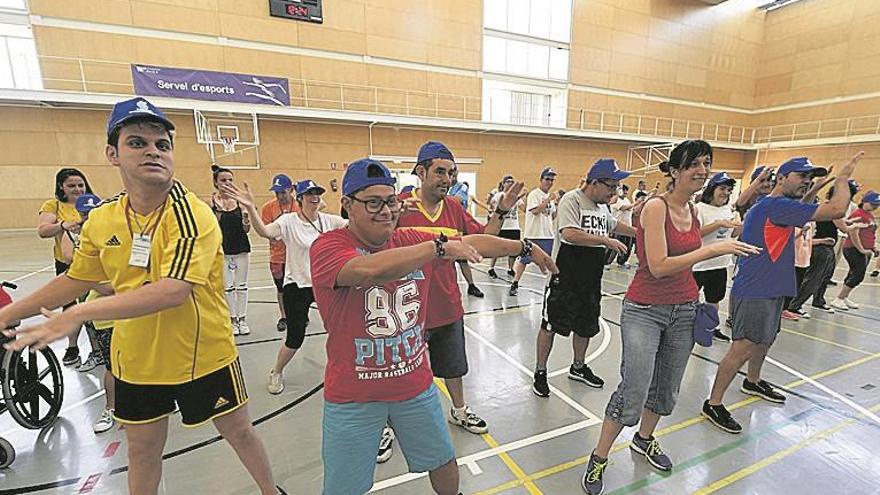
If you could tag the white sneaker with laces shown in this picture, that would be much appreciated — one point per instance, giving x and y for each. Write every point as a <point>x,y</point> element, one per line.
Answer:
<point>243,328</point>
<point>850,304</point>
<point>105,422</point>
<point>236,330</point>
<point>276,382</point>
<point>89,364</point>
<point>385,445</point>
<point>839,304</point>
<point>468,420</point>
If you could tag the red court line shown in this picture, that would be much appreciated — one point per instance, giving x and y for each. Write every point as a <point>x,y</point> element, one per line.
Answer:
<point>90,483</point>
<point>111,449</point>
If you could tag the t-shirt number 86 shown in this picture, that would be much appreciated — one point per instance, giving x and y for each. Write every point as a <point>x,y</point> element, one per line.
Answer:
<point>388,314</point>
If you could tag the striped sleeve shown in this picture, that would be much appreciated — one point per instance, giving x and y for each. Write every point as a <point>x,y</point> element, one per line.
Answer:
<point>193,239</point>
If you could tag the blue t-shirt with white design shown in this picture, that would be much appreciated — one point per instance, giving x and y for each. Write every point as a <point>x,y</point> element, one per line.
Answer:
<point>460,191</point>
<point>770,225</point>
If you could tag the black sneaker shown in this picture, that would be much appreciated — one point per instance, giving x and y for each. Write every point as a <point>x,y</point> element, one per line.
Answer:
<point>385,445</point>
<point>492,273</point>
<point>511,273</point>
<point>592,481</point>
<point>729,322</point>
<point>824,307</point>
<point>650,448</point>
<point>71,356</point>
<point>763,390</point>
<point>280,490</point>
<point>514,289</point>
<point>719,336</point>
<point>282,325</point>
<point>540,386</point>
<point>720,417</point>
<point>875,273</point>
<point>832,283</point>
<point>585,375</point>
<point>475,291</point>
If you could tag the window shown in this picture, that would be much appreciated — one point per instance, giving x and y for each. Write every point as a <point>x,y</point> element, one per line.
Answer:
<point>13,5</point>
<point>19,67</point>
<point>529,108</point>
<point>522,104</point>
<point>545,19</point>
<point>521,58</point>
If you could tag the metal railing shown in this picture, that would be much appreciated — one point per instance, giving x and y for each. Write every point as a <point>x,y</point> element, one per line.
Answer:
<point>104,76</point>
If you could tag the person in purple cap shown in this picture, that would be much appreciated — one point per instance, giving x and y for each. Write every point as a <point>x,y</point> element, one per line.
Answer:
<point>272,210</point>
<point>540,213</point>
<point>762,282</point>
<point>718,223</point>
<point>659,312</point>
<point>584,228</point>
<point>160,247</point>
<point>297,231</point>
<point>372,282</point>
<point>858,249</point>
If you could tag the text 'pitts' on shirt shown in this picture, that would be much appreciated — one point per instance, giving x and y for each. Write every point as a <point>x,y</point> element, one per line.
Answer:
<point>376,349</point>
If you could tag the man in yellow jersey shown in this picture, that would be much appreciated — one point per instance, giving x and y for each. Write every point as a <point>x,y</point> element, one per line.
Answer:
<point>160,248</point>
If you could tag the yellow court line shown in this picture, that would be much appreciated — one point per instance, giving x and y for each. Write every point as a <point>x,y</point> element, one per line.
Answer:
<point>749,470</point>
<point>504,456</point>
<point>581,461</point>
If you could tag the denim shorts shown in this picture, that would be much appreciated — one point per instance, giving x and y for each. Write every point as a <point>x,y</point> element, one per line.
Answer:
<point>657,343</point>
<point>352,432</point>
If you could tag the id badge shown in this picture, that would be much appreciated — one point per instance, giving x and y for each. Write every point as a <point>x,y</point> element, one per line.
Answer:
<point>140,251</point>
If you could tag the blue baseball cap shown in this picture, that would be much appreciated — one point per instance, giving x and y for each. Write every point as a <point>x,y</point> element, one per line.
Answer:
<point>722,178</point>
<point>364,173</point>
<point>757,171</point>
<point>409,188</point>
<point>801,164</point>
<point>308,186</point>
<point>548,172</point>
<point>606,168</point>
<point>870,197</point>
<point>136,108</point>
<point>705,323</point>
<point>281,183</point>
<point>431,150</point>
<point>87,202</point>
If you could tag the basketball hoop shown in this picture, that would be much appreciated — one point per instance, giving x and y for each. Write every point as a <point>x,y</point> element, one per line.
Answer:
<point>229,143</point>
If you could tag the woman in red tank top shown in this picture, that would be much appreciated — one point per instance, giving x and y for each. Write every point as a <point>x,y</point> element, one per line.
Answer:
<point>657,319</point>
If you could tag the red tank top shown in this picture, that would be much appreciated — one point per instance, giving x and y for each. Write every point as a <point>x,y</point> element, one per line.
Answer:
<point>678,288</point>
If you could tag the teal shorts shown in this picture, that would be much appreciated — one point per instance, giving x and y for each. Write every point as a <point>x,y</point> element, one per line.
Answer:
<point>352,432</point>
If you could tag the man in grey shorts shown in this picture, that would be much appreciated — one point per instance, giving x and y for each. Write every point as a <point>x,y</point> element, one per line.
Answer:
<point>762,282</point>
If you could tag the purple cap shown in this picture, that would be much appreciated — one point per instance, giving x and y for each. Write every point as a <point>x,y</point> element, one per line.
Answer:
<point>705,323</point>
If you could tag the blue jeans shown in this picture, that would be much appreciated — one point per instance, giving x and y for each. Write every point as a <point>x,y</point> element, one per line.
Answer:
<point>657,342</point>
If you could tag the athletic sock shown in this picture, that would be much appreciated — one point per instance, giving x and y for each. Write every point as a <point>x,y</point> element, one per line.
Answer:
<point>539,367</point>
<point>578,364</point>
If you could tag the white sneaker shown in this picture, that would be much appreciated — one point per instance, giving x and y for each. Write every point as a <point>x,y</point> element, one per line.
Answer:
<point>236,330</point>
<point>385,444</point>
<point>468,420</point>
<point>276,382</point>
<point>839,304</point>
<point>243,328</point>
<point>850,304</point>
<point>105,422</point>
<point>89,364</point>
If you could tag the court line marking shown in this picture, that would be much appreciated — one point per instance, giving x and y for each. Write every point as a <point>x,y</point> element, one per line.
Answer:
<point>581,461</point>
<point>31,274</point>
<point>749,470</point>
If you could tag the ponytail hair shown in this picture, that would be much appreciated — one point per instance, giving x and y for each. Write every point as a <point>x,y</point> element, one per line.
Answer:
<point>217,170</point>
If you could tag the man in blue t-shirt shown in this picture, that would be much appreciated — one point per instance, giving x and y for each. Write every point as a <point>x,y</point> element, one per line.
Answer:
<point>763,282</point>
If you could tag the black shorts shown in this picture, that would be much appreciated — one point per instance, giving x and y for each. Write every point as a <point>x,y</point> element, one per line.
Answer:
<point>573,296</point>
<point>201,400</point>
<point>61,267</point>
<point>103,337</point>
<point>447,350</point>
<point>297,301</point>
<point>277,271</point>
<point>511,234</point>
<point>713,283</point>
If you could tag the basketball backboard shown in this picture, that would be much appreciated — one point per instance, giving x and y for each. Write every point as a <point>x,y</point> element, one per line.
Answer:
<point>232,140</point>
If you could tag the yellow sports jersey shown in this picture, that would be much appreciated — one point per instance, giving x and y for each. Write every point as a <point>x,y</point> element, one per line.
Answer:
<point>65,212</point>
<point>98,324</point>
<point>179,344</point>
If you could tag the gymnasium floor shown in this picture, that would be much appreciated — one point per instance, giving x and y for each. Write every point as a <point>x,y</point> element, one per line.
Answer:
<point>823,441</point>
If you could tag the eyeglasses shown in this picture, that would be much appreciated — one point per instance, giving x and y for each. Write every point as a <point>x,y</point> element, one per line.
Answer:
<point>374,205</point>
<point>609,186</point>
<point>551,179</point>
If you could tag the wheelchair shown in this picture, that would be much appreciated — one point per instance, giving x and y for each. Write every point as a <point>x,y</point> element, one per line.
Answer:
<point>32,386</point>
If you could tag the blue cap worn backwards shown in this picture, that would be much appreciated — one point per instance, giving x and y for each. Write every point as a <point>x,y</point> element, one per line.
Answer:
<point>281,183</point>
<point>135,108</point>
<point>87,202</point>
<point>548,172</point>
<point>364,173</point>
<point>308,186</point>
<point>722,178</point>
<point>801,164</point>
<point>431,150</point>
<point>872,197</point>
<point>606,168</point>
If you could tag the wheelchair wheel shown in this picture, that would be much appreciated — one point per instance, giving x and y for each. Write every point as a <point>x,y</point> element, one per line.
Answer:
<point>33,387</point>
<point>7,453</point>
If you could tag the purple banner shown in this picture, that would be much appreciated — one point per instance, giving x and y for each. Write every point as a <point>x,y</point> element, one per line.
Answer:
<point>208,85</point>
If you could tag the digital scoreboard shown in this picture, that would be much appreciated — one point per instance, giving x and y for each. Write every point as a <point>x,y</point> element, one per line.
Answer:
<point>300,10</point>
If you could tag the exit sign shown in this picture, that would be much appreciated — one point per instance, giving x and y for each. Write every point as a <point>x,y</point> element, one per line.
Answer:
<point>300,10</point>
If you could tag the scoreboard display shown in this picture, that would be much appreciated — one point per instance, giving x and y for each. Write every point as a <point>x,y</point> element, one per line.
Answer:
<point>300,10</point>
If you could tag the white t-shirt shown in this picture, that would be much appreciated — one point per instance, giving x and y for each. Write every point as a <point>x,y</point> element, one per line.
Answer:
<point>539,226</point>
<point>579,211</point>
<point>622,216</point>
<point>298,236</point>
<point>511,219</point>
<point>708,214</point>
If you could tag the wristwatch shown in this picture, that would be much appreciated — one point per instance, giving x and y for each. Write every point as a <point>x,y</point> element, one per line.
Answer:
<point>440,245</point>
<point>501,213</point>
<point>526,248</point>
